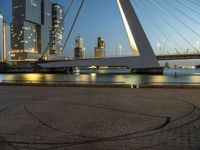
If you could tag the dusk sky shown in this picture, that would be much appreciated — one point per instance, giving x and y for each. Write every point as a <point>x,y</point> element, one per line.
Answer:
<point>168,23</point>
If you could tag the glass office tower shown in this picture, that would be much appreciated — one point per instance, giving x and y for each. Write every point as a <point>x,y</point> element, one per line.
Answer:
<point>30,29</point>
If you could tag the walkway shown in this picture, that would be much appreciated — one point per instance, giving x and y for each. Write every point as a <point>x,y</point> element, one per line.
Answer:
<point>66,118</point>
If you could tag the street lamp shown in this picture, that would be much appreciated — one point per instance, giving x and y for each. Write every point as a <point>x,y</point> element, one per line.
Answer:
<point>164,47</point>
<point>120,50</point>
<point>159,47</point>
<point>198,43</point>
<point>9,55</point>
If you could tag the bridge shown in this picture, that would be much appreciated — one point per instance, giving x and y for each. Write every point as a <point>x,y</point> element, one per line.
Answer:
<point>178,57</point>
<point>143,59</point>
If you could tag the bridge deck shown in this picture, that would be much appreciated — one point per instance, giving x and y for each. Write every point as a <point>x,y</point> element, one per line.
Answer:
<point>178,57</point>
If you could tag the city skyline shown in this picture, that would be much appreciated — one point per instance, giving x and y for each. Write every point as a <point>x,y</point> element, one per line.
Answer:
<point>106,22</point>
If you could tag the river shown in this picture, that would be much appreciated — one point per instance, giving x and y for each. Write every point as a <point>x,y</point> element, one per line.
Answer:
<point>110,76</point>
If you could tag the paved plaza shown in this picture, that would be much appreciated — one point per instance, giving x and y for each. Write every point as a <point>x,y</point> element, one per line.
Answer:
<point>72,118</point>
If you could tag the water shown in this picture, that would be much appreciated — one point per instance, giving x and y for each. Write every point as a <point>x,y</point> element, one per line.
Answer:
<point>111,76</point>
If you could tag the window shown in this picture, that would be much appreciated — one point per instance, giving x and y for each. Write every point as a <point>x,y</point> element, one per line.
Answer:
<point>33,3</point>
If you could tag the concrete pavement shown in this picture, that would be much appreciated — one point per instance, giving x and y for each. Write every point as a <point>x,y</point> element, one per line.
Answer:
<point>67,118</point>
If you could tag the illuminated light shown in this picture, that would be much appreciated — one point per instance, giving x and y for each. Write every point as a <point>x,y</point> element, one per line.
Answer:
<point>155,79</point>
<point>15,7</point>
<point>24,51</point>
<point>132,42</point>
<point>104,67</point>
<point>33,3</point>
<point>93,76</point>
<point>92,67</point>
<point>158,45</point>
<point>33,76</point>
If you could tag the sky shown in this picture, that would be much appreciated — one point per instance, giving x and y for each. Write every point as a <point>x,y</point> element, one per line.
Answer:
<point>172,26</point>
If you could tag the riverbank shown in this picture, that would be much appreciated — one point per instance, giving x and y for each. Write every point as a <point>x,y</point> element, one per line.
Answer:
<point>100,85</point>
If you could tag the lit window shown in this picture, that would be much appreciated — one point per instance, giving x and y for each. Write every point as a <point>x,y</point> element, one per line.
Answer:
<point>15,7</point>
<point>33,3</point>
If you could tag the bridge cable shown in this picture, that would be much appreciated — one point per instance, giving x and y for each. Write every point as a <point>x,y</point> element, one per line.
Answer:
<point>180,11</point>
<point>167,11</point>
<point>59,26</point>
<point>72,27</point>
<point>194,2</point>
<point>152,30</point>
<point>162,8</point>
<point>153,21</point>
<point>179,33</point>
<point>165,35</point>
<point>186,6</point>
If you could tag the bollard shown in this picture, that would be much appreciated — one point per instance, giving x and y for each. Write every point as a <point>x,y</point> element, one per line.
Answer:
<point>131,86</point>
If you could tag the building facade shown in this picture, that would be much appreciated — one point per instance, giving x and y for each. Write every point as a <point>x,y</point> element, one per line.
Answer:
<point>46,24</point>
<point>4,39</point>
<point>79,50</point>
<point>8,42</point>
<point>1,36</point>
<point>30,28</point>
<point>57,30</point>
<point>99,51</point>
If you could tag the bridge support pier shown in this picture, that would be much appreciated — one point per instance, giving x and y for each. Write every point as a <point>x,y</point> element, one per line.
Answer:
<point>157,70</point>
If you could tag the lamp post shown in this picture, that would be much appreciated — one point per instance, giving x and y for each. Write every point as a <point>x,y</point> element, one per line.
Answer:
<point>164,47</point>
<point>9,55</point>
<point>159,47</point>
<point>120,50</point>
<point>198,43</point>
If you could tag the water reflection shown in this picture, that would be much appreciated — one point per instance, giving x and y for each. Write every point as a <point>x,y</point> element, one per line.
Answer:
<point>32,76</point>
<point>109,76</point>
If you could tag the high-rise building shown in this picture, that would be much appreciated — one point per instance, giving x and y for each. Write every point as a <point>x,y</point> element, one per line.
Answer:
<point>1,36</point>
<point>4,39</point>
<point>57,29</point>
<point>30,29</point>
<point>79,50</point>
<point>8,42</point>
<point>46,23</point>
<point>99,51</point>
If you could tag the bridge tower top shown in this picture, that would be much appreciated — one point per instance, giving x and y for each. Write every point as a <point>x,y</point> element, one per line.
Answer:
<point>138,40</point>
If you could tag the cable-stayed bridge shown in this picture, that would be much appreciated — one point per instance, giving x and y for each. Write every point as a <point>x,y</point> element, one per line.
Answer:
<point>143,58</point>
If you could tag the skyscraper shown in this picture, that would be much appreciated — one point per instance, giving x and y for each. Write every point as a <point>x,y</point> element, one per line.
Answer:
<point>30,28</point>
<point>4,39</point>
<point>1,36</point>
<point>79,50</point>
<point>8,41</point>
<point>99,51</point>
<point>57,37</point>
<point>46,23</point>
